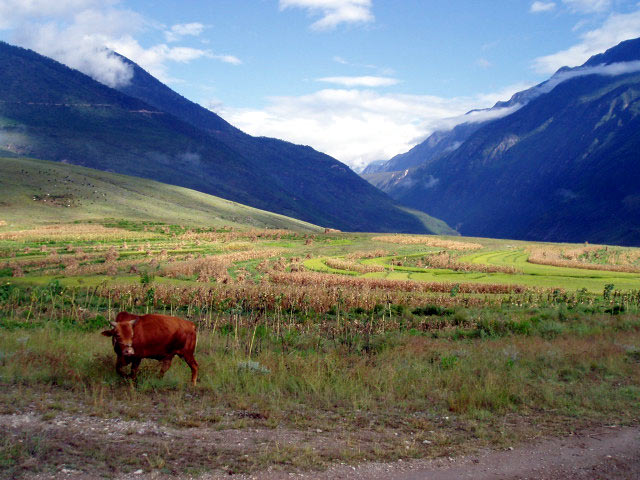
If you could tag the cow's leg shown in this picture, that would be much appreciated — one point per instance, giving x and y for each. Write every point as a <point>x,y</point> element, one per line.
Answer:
<point>166,363</point>
<point>120,364</point>
<point>191,361</point>
<point>135,365</point>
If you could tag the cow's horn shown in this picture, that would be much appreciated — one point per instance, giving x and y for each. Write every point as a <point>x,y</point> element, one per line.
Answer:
<point>113,323</point>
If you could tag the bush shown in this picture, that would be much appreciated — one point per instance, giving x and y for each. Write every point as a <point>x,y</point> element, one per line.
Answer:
<point>616,310</point>
<point>431,310</point>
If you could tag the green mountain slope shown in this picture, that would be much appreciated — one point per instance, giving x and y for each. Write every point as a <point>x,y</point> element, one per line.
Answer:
<point>36,192</point>
<point>52,112</point>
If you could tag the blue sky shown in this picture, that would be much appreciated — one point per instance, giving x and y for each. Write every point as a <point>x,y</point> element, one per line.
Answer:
<point>361,80</point>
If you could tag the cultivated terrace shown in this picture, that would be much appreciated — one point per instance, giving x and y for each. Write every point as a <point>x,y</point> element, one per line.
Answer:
<point>314,349</point>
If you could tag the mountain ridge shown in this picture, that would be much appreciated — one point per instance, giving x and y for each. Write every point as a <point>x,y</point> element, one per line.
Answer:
<point>50,111</point>
<point>557,169</point>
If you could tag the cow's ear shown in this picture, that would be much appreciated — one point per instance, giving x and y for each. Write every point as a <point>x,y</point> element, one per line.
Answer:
<point>109,333</point>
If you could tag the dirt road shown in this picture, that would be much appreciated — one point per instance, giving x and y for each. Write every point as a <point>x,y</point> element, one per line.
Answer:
<point>611,453</point>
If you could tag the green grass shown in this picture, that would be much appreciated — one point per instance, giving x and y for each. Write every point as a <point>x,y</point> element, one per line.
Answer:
<point>318,265</point>
<point>533,275</point>
<point>435,225</point>
<point>551,276</point>
<point>95,195</point>
<point>454,391</point>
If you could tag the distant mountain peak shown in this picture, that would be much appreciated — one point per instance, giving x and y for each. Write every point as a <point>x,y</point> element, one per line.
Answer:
<point>561,168</point>
<point>627,51</point>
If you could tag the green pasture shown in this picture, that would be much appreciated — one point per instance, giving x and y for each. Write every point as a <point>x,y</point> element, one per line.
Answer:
<point>533,275</point>
<point>38,192</point>
<point>91,281</point>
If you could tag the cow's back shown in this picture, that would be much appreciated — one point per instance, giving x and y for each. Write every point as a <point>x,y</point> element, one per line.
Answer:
<point>156,336</point>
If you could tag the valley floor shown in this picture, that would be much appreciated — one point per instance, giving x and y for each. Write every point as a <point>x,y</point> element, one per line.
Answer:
<point>319,354</point>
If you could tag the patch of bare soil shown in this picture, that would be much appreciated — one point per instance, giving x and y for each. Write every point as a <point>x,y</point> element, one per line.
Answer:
<point>611,453</point>
<point>82,447</point>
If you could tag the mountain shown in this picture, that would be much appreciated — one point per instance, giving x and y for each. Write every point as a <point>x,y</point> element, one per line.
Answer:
<point>446,140</point>
<point>41,192</point>
<point>563,167</point>
<point>438,143</point>
<point>387,175</point>
<point>52,112</point>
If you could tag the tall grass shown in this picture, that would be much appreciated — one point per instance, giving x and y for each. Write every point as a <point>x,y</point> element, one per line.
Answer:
<point>428,241</point>
<point>447,261</point>
<point>74,233</point>
<point>591,375</point>
<point>589,257</point>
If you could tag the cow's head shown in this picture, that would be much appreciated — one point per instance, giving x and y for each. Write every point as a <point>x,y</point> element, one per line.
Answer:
<point>122,333</point>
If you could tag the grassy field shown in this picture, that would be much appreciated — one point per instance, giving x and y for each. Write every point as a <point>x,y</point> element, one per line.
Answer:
<point>36,191</point>
<point>314,348</point>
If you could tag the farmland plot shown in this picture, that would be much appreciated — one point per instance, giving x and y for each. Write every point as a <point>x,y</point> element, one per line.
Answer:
<point>314,349</point>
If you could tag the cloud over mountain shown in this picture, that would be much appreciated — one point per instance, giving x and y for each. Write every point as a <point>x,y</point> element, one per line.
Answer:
<point>82,34</point>
<point>358,126</point>
<point>616,28</point>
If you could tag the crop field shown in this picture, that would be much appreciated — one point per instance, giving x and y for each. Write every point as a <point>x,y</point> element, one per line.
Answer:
<point>314,348</point>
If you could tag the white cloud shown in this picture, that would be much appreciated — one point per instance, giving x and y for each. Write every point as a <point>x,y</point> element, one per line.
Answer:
<point>537,7</point>
<point>588,6</point>
<point>488,99</point>
<point>365,81</point>
<point>13,11</point>
<point>155,58</point>
<point>333,12</point>
<point>483,63</point>
<point>611,70</point>
<point>176,32</point>
<point>358,126</point>
<point>616,28</point>
<point>82,42</point>
<point>82,33</point>
<point>231,59</point>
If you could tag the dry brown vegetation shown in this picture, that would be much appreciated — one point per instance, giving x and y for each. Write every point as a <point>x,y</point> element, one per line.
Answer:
<point>341,264</point>
<point>445,260</point>
<point>428,241</point>
<point>78,233</point>
<point>367,254</point>
<point>285,292</point>
<point>214,266</point>
<point>322,279</point>
<point>591,257</point>
<point>228,236</point>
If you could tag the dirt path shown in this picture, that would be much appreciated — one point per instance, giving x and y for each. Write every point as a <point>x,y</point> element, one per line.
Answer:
<point>604,453</point>
<point>611,453</point>
<point>607,454</point>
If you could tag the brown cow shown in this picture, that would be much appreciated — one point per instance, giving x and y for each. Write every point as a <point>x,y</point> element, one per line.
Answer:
<point>152,336</point>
